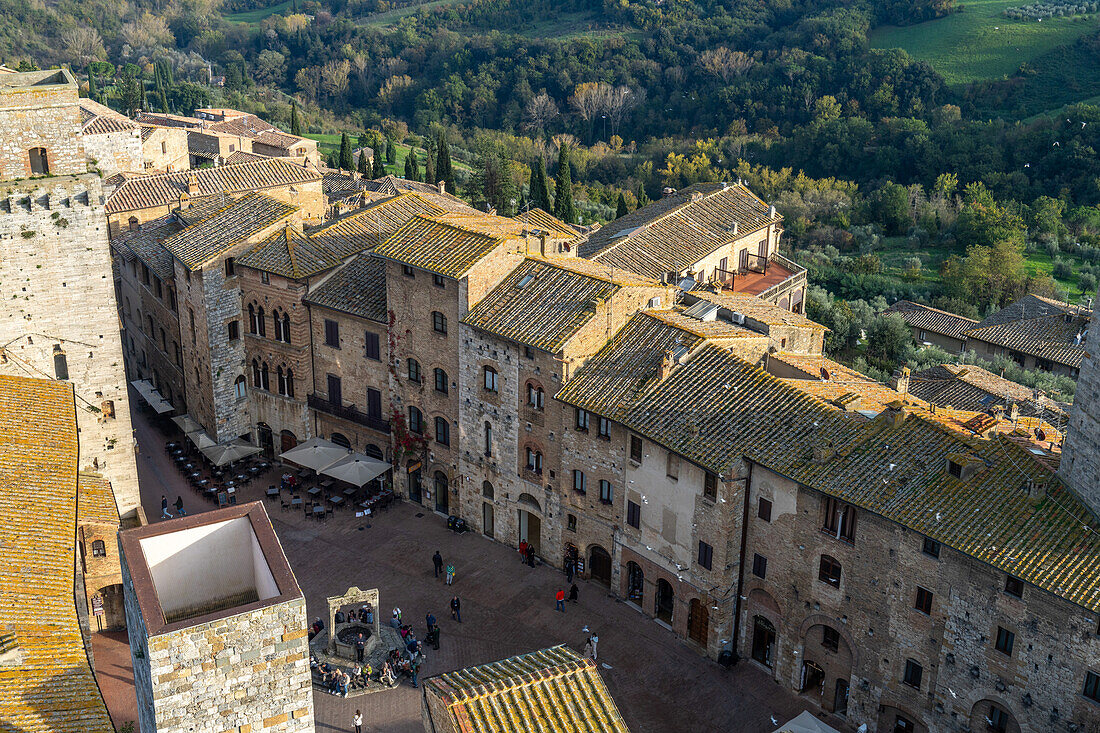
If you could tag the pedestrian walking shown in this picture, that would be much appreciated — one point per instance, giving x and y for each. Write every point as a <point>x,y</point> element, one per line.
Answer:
<point>456,609</point>
<point>437,561</point>
<point>595,640</point>
<point>358,722</point>
<point>450,573</point>
<point>573,593</point>
<point>530,556</point>
<point>164,513</point>
<point>588,648</point>
<point>523,551</point>
<point>415,667</point>
<point>179,506</point>
<point>429,621</point>
<point>559,604</point>
<point>360,647</point>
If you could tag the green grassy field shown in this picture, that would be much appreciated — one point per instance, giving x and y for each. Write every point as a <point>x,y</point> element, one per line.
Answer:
<point>389,17</point>
<point>979,42</point>
<point>255,16</point>
<point>571,25</point>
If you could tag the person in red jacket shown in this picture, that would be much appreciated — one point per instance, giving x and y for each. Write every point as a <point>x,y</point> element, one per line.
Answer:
<point>560,598</point>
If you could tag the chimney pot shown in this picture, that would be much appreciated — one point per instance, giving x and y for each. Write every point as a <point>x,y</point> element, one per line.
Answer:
<point>442,185</point>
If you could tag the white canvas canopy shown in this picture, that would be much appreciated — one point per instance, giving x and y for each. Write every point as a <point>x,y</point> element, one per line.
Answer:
<point>315,453</point>
<point>187,423</point>
<point>356,469</point>
<point>222,454</point>
<point>150,394</point>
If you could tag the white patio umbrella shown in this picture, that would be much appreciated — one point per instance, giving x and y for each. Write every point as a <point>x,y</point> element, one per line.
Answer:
<point>356,469</point>
<point>201,439</point>
<point>222,454</point>
<point>187,423</point>
<point>315,453</point>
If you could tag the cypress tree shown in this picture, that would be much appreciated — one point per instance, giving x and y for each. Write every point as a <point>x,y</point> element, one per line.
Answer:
<point>391,152</point>
<point>363,169</point>
<point>163,102</point>
<point>295,125</point>
<point>643,200</point>
<point>143,104</point>
<point>621,210</point>
<point>93,93</point>
<point>345,153</point>
<point>429,163</point>
<point>412,168</point>
<point>443,165</point>
<point>540,187</point>
<point>563,195</point>
<point>379,166</point>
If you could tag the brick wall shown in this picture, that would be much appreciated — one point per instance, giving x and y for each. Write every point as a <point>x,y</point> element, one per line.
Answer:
<point>56,277</point>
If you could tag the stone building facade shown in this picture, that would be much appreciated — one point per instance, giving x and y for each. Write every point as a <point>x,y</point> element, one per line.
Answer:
<point>97,525</point>
<point>217,625</point>
<point>1080,465</point>
<point>164,149</point>
<point>55,271</point>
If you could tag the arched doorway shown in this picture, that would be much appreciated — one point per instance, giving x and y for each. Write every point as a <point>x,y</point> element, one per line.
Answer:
<point>530,523</point>
<point>599,565</point>
<point>698,621</point>
<point>487,519</point>
<point>415,488</point>
<point>287,441</point>
<point>992,716</point>
<point>635,582</point>
<point>441,487</point>
<point>813,679</point>
<point>828,650</point>
<point>763,640</point>
<point>40,161</point>
<point>665,601</point>
<point>265,438</point>
<point>341,440</point>
<point>896,720</point>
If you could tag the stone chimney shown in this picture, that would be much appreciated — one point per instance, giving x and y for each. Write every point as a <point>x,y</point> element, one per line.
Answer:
<point>442,185</point>
<point>667,363</point>
<point>192,185</point>
<point>900,380</point>
<point>1014,412</point>
<point>771,212</point>
<point>667,191</point>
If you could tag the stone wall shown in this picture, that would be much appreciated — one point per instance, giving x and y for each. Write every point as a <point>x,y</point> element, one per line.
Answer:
<point>114,152</point>
<point>1080,466</point>
<point>222,297</point>
<point>56,277</point>
<point>45,116</point>
<point>165,149</point>
<point>878,627</point>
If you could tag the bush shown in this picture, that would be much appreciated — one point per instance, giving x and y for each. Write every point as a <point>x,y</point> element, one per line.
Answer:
<point>1063,270</point>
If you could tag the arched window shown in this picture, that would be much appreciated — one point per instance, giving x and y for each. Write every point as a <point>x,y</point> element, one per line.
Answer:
<point>535,396</point>
<point>439,322</point>
<point>488,439</point>
<point>260,322</point>
<point>286,328</point>
<point>414,371</point>
<point>265,383</point>
<point>442,431</point>
<point>341,440</point>
<point>416,420</point>
<point>238,387</point>
<point>534,460</point>
<point>278,325</point>
<point>99,549</point>
<point>39,162</point>
<point>491,379</point>
<point>253,326</point>
<point>829,571</point>
<point>580,482</point>
<point>289,382</point>
<point>374,452</point>
<point>440,380</point>
<point>257,382</point>
<point>487,490</point>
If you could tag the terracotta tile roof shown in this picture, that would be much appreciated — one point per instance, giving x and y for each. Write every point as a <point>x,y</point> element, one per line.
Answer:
<point>812,365</point>
<point>612,380</point>
<point>358,288</point>
<point>242,156</point>
<point>163,119</point>
<point>551,691</point>
<point>98,119</point>
<point>164,189</point>
<point>48,687</point>
<point>931,319</point>
<point>448,244</point>
<point>147,244</point>
<point>1047,329</point>
<point>290,253</point>
<point>95,499</point>
<point>392,185</point>
<point>240,219</point>
<point>202,209</point>
<point>541,304</point>
<point>716,330</point>
<point>756,309</point>
<point>378,221</point>
<point>256,129</point>
<point>538,219</point>
<point>968,387</point>
<point>715,408</point>
<point>148,130</point>
<point>336,183</point>
<point>677,231</point>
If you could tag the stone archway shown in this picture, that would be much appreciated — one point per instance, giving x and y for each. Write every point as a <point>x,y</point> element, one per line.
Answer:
<point>828,655</point>
<point>993,715</point>
<point>354,596</point>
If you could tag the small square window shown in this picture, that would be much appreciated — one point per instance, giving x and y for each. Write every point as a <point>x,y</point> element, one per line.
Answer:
<point>710,486</point>
<point>633,515</point>
<point>1092,686</point>
<point>408,271</point>
<point>438,281</point>
<point>764,510</point>
<point>332,333</point>
<point>1014,586</point>
<point>528,352</point>
<point>439,322</point>
<point>635,449</point>
<point>604,429</point>
<point>759,566</point>
<point>234,330</point>
<point>1005,640</point>
<point>924,600</point>
<point>571,522</point>
<point>830,638</point>
<point>955,469</point>
<point>581,417</point>
<point>706,555</point>
<point>931,548</point>
<point>373,346</point>
<point>913,674</point>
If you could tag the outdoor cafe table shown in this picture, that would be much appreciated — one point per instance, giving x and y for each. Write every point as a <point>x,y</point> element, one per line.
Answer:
<point>296,501</point>
<point>319,510</point>
<point>350,492</point>
<point>314,491</point>
<point>336,500</point>
<point>326,484</point>
<point>273,491</point>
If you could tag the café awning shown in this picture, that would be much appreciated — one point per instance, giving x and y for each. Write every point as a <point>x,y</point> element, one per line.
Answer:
<point>356,469</point>
<point>150,394</point>
<point>187,423</point>
<point>224,453</point>
<point>315,453</point>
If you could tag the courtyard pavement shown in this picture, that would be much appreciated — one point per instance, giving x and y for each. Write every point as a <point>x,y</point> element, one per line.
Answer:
<point>659,683</point>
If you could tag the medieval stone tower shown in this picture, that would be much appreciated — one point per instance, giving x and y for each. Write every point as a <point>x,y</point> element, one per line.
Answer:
<point>59,319</point>
<point>1080,466</point>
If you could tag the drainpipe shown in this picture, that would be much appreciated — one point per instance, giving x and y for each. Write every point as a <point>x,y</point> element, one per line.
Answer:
<point>312,361</point>
<point>741,566</point>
